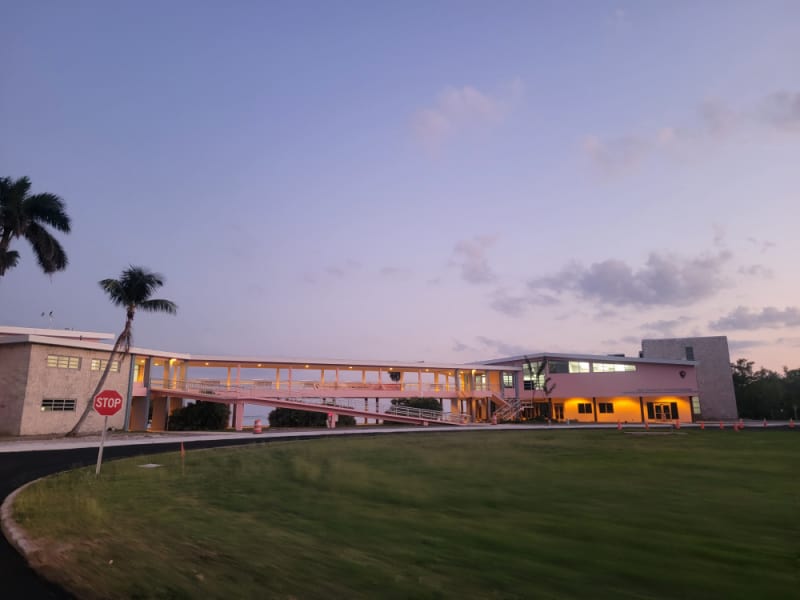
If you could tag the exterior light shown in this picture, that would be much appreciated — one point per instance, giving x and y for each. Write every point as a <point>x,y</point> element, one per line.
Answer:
<point>306,366</point>
<point>206,364</point>
<point>259,364</point>
<point>349,367</point>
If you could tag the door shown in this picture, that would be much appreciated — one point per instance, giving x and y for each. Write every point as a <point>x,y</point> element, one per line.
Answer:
<point>558,409</point>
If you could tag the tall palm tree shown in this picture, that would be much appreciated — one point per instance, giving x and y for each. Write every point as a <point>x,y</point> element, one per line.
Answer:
<point>132,291</point>
<point>25,215</point>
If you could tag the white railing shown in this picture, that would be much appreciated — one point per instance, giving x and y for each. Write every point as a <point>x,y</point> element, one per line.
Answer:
<point>250,390</point>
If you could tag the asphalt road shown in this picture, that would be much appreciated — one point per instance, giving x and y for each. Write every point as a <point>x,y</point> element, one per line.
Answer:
<point>17,579</point>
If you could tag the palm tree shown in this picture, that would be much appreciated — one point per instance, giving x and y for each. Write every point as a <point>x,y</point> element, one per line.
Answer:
<point>132,291</point>
<point>25,215</point>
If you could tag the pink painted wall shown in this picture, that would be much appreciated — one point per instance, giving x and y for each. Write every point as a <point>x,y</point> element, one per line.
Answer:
<point>647,380</point>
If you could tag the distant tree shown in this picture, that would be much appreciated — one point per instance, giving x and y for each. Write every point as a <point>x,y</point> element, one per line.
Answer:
<point>200,416</point>
<point>132,291</point>
<point>765,394</point>
<point>289,417</point>
<point>422,403</point>
<point>27,216</point>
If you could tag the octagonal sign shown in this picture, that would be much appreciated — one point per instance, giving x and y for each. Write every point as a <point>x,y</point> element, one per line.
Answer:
<point>108,402</point>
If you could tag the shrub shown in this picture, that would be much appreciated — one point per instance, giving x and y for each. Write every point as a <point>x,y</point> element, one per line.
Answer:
<point>423,403</point>
<point>200,416</point>
<point>290,417</point>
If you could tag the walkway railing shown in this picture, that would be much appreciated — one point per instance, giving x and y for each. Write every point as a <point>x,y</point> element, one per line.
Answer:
<point>250,391</point>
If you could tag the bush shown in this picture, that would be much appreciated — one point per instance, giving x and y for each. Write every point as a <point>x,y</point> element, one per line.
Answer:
<point>290,417</point>
<point>200,416</point>
<point>423,403</point>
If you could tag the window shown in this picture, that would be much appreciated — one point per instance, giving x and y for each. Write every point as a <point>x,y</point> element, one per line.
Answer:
<point>100,365</point>
<point>612,368</point>
<point>569,366</point>
<point>696,405</point>
<point>58,404</point>
<point>508,380</point>
<point>689,353</point>
<point>605,408</point>
<point>584,408</point>
<point>529,379</point>
<point>57,361</point>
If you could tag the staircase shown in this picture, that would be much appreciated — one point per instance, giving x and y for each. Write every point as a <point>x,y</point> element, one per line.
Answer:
<point>510,409</point>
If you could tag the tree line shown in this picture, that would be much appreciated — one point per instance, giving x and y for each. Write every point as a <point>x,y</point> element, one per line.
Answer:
<point>765,394</point>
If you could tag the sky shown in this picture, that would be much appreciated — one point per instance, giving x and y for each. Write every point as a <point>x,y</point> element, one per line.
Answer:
<point>448,181</point>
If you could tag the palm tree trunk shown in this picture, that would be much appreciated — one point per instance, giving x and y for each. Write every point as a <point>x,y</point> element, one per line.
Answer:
<point>90,403</point>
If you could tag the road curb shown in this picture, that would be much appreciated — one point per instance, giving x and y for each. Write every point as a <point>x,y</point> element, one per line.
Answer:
<point>13,531</point>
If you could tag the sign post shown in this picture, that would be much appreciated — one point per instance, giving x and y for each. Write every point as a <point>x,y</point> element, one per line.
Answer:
<point>106,403</point>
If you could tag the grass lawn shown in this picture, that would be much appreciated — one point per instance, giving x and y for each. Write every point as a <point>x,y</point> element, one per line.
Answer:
<point>521,514</point>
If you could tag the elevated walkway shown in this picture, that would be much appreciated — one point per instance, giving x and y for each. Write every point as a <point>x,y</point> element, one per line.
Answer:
<point>314,399</point>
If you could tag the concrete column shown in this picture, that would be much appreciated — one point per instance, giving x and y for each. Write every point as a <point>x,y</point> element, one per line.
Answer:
<point>402,381</point>
<point>238,374</point>
<point>419,382</point>
<point>321,377</point>
<point>594,408</point>
<point>290,379</point>
<point>228,380</point>
<point>363,377</point>
<point>337,377</point>
<point>238,416</point>
<point>277,378</point>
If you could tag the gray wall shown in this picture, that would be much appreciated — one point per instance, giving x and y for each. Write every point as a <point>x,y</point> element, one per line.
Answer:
<point>714,380</point>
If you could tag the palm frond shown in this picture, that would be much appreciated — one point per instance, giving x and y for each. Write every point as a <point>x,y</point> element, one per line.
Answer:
<point>140,283</point>
<point>48,209</point>
<point>159,305</point>
<point>8,260</point>
<point>115,291</point>
<point>49,252</point>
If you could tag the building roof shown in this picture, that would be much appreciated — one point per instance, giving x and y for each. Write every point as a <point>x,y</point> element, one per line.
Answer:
<point>606,358</point>
<point>69,334</point>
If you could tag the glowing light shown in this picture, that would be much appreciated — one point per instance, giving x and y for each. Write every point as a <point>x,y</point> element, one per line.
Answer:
<point>306,366</point>
<point>206,364</point>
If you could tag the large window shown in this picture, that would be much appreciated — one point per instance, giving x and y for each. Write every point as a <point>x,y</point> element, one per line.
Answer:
<point>99,364</point>
<point>56,361</point>
<point>569,366</point>
<point>508,380</point>
<point>696,405</point>
<point>57,405</point>
<point>584,408</point>
<point>605,408</point>
<point>529,378</point>
<point>612,368</point>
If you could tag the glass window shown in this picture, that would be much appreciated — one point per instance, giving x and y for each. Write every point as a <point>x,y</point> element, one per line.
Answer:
<point>559,366</point>
<point>696,405</point>
<point>605,407</point>
<point>689,353</point>
<point>100,365</point>
<point>612,368</point>
<point>508,380</point>
<point>578,367</point>
<point>57,361</point>
<point>584,408</point>
<point>529,378</point>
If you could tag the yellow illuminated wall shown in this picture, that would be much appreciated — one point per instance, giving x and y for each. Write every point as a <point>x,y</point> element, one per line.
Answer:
<point>626,410</point>
<point>684,406</point>
<point>571,409</point>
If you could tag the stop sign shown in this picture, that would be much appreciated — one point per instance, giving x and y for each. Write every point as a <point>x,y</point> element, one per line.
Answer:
<point>108,402</point>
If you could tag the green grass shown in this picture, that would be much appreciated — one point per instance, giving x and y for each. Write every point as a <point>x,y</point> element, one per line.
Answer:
<point>568,514</point>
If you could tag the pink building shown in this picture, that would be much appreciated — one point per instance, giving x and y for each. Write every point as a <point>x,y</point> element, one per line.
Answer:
<point>47,376</point>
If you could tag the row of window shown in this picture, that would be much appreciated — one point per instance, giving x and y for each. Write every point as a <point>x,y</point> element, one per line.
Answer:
<point>57,361</point>
<point>579,366</point>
